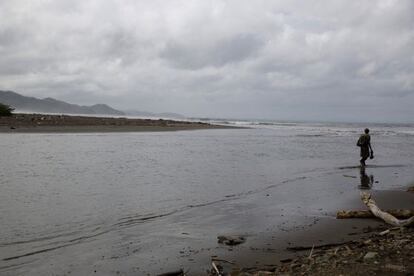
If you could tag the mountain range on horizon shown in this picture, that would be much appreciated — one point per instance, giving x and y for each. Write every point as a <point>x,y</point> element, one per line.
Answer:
<point>50,105</point>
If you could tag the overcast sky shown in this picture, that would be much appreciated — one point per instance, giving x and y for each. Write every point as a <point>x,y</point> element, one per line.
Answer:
<point>314,60</point>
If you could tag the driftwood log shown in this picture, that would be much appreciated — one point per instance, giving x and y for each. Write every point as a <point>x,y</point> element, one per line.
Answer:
<point>326,245</point>
<point>174,273</point>
<point>388,218</point>
<point>398,213</point>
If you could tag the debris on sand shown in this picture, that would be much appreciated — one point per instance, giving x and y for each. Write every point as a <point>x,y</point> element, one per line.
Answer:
<point>231,240</point>
<point>179,272</point>
<point>388,253</point>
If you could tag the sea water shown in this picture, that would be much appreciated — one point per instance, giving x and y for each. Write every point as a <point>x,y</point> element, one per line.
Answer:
<point>66,199</point>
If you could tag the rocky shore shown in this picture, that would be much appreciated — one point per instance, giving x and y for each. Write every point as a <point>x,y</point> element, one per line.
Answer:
<point>383,252</point>
<point>380,250</point>
<point>66,123</point>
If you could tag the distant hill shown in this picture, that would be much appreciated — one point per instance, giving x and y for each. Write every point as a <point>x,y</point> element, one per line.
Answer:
<point>49,105</point>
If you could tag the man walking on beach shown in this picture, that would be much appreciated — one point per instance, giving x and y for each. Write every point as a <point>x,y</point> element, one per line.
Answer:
<point>364,142</point>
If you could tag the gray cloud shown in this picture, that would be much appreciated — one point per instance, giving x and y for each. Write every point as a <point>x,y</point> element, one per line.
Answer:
<point>277,59</point>
<point>198,55</point>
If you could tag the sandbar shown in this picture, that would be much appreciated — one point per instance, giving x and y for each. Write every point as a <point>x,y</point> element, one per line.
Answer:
<point>68,123</point>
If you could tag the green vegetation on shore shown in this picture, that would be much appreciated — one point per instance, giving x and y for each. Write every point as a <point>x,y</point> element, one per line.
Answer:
<point>5,110</point>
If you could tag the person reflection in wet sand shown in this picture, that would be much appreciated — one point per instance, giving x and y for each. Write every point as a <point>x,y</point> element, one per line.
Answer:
<point>366,181</point>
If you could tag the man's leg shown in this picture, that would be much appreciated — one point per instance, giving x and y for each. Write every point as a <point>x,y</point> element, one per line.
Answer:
<point>362,161</point>
<point>364,155</point>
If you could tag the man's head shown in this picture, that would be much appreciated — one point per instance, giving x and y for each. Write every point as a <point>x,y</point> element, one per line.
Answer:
<point>366,131</point>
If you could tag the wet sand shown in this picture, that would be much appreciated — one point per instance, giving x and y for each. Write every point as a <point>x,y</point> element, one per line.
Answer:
<point>386,251</point>
<point>301,224</point>
<point>269,249</point>
<point>289,253</point>
<point>67,123</point>
<point>175,240</point>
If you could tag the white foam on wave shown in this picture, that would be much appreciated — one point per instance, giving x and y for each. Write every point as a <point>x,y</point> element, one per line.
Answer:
<point>324,129</point>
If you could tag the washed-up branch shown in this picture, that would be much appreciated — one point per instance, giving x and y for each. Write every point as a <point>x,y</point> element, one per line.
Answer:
<point>387,217</point>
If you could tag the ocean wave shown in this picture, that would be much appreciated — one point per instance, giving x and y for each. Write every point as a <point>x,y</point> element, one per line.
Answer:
<point>303,129</point>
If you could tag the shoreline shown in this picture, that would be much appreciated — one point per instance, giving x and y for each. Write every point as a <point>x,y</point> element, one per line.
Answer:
<point>284,248</point>
<point>335,246</point>
<point>187,239</point>
<point>272,249</point>
<point>43,123</point>
<point>384,251</point>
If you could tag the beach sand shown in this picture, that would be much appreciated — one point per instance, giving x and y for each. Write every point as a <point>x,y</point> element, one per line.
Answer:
<point>69,123</point>
<point>270,247</point>
<point>175,241</point>
<point>333,247</point>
